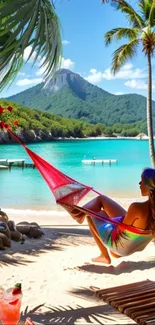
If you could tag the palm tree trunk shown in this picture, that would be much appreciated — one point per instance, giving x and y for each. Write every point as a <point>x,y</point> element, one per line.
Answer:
<point>149,113</point>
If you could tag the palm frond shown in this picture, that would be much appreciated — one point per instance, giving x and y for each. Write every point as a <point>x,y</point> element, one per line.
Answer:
<point>133,17</point>
<point>152,14</point>
<point>119,33</point>
<point>123,53</point>
<point>145,6</point>
<point>10,67</point>
<point>26,23</point>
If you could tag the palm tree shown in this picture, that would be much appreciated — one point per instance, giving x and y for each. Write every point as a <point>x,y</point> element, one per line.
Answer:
<point>28,23</point>
<point>142,31</point>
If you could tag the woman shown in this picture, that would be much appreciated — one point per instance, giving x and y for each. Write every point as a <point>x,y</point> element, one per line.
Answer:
<point>139,214</point>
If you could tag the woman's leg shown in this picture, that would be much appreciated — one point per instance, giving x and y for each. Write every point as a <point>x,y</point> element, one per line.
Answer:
<point>104,256</point>
<point>102,202</point>
<point>107,207</point>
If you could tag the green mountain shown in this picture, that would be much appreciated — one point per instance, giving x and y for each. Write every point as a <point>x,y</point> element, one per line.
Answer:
<point>71,96</point>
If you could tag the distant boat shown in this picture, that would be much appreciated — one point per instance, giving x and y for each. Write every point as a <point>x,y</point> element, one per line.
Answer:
<point>4,167</point>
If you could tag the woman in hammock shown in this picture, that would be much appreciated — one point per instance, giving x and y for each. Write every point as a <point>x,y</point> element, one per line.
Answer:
<point>139,214</point>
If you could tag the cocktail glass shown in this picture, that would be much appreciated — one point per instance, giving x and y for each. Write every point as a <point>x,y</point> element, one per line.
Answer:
<point>9,307</point>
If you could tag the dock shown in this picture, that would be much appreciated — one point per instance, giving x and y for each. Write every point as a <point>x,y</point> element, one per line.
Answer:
<point>96,161</point>
<point>9,163</point>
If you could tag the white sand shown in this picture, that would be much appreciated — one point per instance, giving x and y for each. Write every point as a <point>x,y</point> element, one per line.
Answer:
<point>57,271</point>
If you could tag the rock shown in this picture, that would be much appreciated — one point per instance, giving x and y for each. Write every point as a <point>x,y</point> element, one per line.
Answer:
<point>35,232</point>
<point>6,242</point>
<point>23,227</point>
<point>17,236</point>
<point>32,230</point>
<point>3,216</point>
<point>34,224</point>
<point>4,229</point>
<point>2,247</point>
<point>11,225</point>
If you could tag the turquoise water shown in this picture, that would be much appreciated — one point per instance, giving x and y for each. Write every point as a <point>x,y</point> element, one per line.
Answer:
<point>25,188</point>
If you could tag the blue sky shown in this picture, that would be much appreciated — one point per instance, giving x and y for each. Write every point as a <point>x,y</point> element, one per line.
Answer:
<point>83,25</point>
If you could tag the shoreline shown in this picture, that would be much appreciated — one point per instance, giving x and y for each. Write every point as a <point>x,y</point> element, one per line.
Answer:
<point>54,215</point>
<point>104,138</point>
<point>77,139</point>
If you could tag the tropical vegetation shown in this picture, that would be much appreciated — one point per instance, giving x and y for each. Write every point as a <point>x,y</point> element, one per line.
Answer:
<point>57,126</point>
<point>30,25</point>
<point>141,32</point>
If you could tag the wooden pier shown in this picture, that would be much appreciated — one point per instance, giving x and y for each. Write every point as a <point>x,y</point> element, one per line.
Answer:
<point>9,163</point>
<point>96,161</point>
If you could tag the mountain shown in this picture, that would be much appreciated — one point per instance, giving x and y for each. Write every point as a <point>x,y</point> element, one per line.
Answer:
<point>69,95</point>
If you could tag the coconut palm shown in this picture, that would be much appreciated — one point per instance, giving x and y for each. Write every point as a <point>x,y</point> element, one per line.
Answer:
<point>141,32</point>
<point>32,25</point>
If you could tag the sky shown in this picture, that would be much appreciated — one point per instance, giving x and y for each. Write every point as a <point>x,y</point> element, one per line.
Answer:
<point>83,26</point>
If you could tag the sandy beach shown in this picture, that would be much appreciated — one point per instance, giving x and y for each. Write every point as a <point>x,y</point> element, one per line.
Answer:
<point>58,277</point>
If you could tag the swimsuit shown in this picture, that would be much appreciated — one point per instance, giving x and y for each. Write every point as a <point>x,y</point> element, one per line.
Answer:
<point>121,242</point>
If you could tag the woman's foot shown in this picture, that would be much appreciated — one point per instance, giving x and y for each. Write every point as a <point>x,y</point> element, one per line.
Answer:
<point>77,215</point>
<point>102,259</point>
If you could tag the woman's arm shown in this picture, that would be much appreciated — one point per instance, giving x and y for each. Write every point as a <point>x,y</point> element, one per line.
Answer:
<point>131,215</point>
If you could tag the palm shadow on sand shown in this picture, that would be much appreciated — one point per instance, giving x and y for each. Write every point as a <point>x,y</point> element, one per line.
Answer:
<point>102,314</point>
<point>54,239</point>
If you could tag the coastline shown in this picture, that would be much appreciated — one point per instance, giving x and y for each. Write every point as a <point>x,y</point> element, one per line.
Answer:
<point>103,138</point>
<point>55,214</point>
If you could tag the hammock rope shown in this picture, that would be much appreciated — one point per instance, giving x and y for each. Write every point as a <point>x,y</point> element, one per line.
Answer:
<point>120,238</point>
<point>58,182</point>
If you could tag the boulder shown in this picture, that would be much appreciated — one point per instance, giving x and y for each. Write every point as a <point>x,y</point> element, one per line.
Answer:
<point>3,216</point>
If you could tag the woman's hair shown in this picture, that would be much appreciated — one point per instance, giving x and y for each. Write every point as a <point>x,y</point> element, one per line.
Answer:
<point>148,176</point>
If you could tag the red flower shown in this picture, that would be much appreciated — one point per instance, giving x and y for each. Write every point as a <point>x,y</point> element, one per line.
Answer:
<point>15,122</point>
<point>2,109</point>
<point>7,126</point>
<point>10,108</point>
<point>2,125</point>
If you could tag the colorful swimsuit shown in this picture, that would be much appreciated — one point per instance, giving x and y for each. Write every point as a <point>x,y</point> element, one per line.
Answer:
<point>120,241</point>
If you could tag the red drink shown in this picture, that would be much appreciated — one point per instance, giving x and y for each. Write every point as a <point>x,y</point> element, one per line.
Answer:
<point>10,308</point>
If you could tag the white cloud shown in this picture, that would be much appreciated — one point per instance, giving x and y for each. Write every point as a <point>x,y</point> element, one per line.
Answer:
<point>21,74</point>
<point>67,64</point>
<point>94,76</point>
<point>118,93</point>
<point>65,42</point>
<point>126,72</point>
<point>27,53</point>
<point>25,82</point>
<point>40,71</point>
<point>138,84</point>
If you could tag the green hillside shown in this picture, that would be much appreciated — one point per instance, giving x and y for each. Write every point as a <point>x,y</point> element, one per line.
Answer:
<point>71,96</point>
<point>47,126</point>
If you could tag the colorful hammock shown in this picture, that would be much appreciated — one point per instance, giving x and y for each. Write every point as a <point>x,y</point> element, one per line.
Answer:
<point>120,238</point>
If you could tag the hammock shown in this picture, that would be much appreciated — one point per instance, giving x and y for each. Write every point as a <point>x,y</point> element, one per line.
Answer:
<point>120,238</point>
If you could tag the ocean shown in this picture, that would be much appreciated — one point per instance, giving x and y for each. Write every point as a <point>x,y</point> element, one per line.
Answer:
<point>26,189</point>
